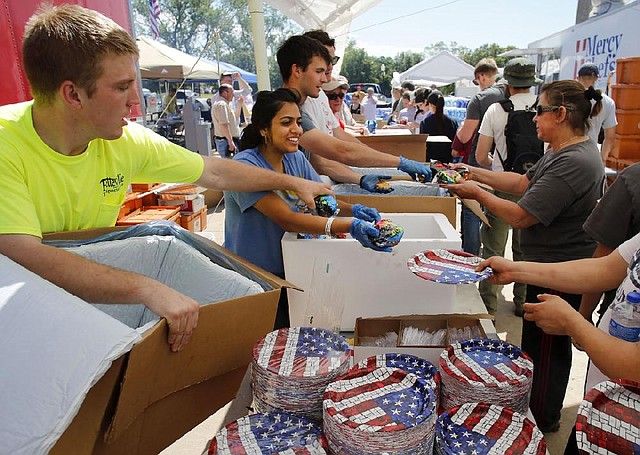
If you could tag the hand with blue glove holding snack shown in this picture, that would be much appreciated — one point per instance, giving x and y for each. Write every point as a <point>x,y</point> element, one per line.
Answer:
<point>417,171</point>
<point>362,212</point>
<point>365,233</point>
<point>375,183</point>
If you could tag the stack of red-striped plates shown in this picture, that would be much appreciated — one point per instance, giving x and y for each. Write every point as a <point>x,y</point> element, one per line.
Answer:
<point>376,410</point>
<point>270,433</point>
<point>292,367</point>
<point>608,418</point>
<point>487,371</point>
<point>485,429</point>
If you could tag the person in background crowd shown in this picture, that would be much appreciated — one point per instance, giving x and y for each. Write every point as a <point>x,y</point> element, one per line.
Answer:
<point>588,74</point>
<point>356,99</point>
<point>68,156</point>
<point>438,124</point>
<point>396,94</point>
<point>520,76</point>
<point>407,114</point>
<point>256,222</point>
<point>615,219</point>
<point>558,194</point>
<point>609,357</point>
<point>422,106</point>
<point>242,101</point>
<point>369,108</point>
<point>303,63</point>
<point>485,73</point>
<point>171,106</point>
<point>225,125</point>
<point>336,91</point>
<point>408,86</point>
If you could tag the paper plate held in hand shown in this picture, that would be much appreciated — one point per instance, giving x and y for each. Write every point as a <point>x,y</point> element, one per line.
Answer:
<point>448,267</point>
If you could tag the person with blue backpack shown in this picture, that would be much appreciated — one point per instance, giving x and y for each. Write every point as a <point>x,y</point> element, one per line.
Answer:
<point>558,194</point>
<point>509,126</point>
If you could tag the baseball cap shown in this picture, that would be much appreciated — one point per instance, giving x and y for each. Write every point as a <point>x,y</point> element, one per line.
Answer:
<point>589,69</point>
<point>340,81</point>
<point>521,72</point>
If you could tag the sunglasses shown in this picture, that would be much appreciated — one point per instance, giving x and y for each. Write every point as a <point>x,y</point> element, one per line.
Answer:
<point>334,60</point>
<point>541,109</point>
<point>335,96</point>
<point>475,82</point>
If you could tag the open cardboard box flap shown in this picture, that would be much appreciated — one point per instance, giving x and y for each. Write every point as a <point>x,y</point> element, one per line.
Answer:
<point>150,397</point>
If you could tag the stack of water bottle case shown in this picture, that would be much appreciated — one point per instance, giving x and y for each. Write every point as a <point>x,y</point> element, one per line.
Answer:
<point>308,400</point>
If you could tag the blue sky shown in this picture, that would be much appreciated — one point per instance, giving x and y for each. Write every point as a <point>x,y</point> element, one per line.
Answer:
<point>470,23</point>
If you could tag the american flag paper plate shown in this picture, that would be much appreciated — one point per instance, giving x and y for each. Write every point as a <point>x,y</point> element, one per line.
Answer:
<point>291,368</point>
<point>269,433</point>
<point>484,429</point>
<point>405,362</point>
<point>489,371</point>
<point>447,267</point>
<point>379,410</point>
<point>608,419</point>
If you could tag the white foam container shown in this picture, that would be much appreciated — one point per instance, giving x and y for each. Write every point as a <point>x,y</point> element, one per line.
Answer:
<point>362,282</point>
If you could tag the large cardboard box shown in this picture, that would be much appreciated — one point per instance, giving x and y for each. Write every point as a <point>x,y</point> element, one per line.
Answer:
<point>371,328</point>
<point>411,146</point>
<point>342,280</point>
<point>150,397</point>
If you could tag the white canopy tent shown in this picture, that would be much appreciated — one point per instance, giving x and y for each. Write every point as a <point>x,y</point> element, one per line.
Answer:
<point>333,16</point>
<point>441,69</point>
<point>159,61</point>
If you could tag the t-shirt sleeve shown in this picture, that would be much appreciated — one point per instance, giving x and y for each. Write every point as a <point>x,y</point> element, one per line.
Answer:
<point>221,114</point>
<point>610,115</point>
<point>165,161</point>
<point>17,210</point>
<point>245,199</point>
<point>473,109</point>
<point>610,221</point>
<point>307,122</point>
<point>487,125</point>
<point>629,248</point>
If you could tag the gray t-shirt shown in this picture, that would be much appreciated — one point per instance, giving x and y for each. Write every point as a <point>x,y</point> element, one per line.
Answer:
<point>307,124</point>
<point>563,190</point>
<point>478,107</point>
<point>617,216</point>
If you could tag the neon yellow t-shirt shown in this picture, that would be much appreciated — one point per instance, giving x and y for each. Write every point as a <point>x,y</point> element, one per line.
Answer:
<point>43,191</point>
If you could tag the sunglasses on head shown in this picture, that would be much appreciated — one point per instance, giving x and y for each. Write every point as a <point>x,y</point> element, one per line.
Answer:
<point>335,96</point>
<point>334,60</point>
<point>541,109</point>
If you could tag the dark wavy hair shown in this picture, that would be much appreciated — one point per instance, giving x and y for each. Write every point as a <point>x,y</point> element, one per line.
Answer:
<point>576,99</point>
<point>264,110</point>
<point>299,50</point>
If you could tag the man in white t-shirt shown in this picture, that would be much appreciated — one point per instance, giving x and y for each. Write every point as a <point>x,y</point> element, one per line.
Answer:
<point>520,76</point>
<point>606,119</point>
<point>368,107</point>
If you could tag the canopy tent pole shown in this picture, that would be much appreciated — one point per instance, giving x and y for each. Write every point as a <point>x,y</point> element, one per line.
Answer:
<point>256,10</point>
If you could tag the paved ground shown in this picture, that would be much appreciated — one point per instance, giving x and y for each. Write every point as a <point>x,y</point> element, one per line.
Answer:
<point>507,325</point>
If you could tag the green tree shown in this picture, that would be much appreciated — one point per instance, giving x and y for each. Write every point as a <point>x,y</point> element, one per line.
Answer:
<point>453,47</point>
<point>472,57</point>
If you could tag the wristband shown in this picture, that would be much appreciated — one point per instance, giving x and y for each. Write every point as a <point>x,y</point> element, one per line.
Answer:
<point>327,227</point>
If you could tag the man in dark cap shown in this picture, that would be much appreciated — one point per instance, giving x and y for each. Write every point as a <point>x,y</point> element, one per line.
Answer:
<point>520,75</point>
<point>588,74</point>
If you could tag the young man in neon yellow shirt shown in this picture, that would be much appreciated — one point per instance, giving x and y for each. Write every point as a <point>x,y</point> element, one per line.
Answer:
<point>67,158</point>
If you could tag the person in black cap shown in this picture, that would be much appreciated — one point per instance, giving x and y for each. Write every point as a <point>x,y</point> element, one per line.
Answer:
<point>588,74</point>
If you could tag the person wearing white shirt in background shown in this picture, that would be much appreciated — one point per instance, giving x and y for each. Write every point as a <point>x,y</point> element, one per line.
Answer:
<point>588,74</point>
<point>368,108</point>
<point>336,91</point>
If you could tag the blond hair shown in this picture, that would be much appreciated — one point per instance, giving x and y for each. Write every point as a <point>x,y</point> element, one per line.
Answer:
<point>68,42</point>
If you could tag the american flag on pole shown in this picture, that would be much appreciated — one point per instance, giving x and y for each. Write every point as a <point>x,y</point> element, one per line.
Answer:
<point>609,418</point>
<point>270,433</point>
<point>484,429</point>
<point>154,14</point>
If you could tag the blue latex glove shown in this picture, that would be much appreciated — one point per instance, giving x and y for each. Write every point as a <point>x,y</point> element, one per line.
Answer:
<point>415,169</point>
<point>368,182</point>
<point>363,232</point>
<point>365,213</point>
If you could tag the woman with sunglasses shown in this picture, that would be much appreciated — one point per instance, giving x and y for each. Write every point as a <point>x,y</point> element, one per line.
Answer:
<point>558,194</point>
<point>255,222</point>
<point>336,93</point>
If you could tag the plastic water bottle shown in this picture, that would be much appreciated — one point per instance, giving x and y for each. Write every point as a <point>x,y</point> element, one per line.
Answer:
<point>625,318</point>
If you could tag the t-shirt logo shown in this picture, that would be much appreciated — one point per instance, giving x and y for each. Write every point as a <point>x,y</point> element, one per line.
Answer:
<point>112,184</point>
